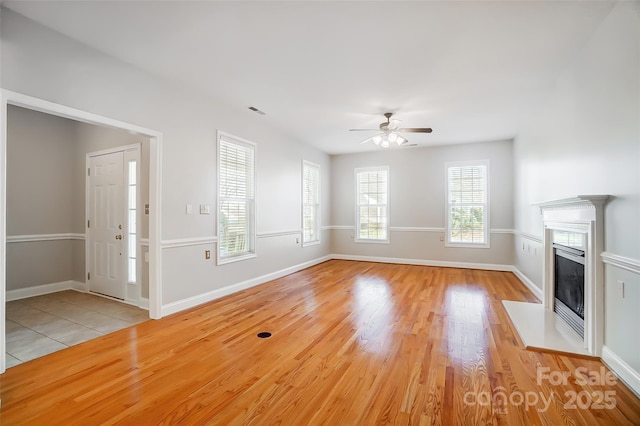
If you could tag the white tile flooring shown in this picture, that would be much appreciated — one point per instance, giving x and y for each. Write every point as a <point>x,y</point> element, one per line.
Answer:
<point>40,325</point>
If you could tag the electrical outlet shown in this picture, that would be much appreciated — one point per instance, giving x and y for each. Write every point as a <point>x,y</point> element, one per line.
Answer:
<point>620,289</point>
<point>207,254</point>
<point>205,208</point>
<point>441,238</point>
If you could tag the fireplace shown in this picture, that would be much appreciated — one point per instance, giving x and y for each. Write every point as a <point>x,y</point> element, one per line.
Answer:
<point>569,286</point>
<point>569,319</point>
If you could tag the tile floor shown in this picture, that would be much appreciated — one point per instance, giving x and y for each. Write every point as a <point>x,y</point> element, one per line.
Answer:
<point>40,325</point>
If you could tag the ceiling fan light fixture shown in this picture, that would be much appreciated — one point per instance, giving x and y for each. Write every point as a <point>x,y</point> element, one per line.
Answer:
<point>389,132</point>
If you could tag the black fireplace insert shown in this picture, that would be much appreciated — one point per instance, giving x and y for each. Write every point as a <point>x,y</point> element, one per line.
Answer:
<point>569,284</point>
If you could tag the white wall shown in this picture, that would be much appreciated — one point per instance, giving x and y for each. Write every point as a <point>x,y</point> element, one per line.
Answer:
<point>49,66</point>
<point>586,140</point>
<point>417,200</point>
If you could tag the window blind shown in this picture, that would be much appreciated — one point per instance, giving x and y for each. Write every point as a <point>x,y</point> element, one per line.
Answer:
<point>236,196</point>
<point>372,204</point>
<point>467,204</point>
<point>310,202</point>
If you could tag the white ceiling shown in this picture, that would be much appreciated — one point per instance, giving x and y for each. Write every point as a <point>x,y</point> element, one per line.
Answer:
<point>470,70</point>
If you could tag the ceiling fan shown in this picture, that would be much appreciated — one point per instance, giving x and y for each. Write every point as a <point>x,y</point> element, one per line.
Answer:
<point>390,132</point>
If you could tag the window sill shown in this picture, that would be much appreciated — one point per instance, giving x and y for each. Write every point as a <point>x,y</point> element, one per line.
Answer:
<point>233,259</point>
<point>356,240</point>
<point>467,245</point>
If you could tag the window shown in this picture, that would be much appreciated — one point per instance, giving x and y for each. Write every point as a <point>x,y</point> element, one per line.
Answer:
<point>236,199</point>
<point>372,208</point>
<point>467,204</point>
<point>132,220</point>
<point>310,203</point>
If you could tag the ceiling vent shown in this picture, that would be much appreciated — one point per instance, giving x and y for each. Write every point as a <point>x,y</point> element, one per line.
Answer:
<point>254,109</point>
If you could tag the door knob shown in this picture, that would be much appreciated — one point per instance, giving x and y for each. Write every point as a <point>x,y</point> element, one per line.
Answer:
<point>118,237</point>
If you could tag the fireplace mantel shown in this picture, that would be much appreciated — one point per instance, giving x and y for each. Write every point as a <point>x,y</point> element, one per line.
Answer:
<point>580,201</point>
<point>583,214</point>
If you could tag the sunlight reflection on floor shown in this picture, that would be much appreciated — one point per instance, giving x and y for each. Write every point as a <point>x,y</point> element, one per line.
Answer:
<point>374,311</point>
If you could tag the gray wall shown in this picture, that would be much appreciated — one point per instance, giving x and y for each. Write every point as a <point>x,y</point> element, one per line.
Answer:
<point>417,200</point>
<point>46,178</point>
<point>40,173</point>
<point>586,140</point>
<point>40,196</point>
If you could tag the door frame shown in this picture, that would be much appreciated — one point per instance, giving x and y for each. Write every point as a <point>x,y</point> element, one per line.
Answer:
<point>130,152</point>
<point>7,98</point>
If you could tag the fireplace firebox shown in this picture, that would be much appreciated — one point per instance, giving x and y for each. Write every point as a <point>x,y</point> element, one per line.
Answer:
<point>569,286</point>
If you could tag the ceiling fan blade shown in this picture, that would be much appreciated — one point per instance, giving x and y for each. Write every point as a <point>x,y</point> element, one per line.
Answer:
<point>416,130</point>
<point>369,139</point>
<point>364,130</point>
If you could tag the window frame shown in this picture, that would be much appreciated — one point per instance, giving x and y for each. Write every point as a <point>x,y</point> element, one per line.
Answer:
<point>486,204</point>
<point>251,210</point>
<point>356,235</point>
<point>133,157</point>
<point>315,204</point>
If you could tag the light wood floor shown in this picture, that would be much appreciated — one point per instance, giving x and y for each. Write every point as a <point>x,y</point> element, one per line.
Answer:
<point>353,344</point>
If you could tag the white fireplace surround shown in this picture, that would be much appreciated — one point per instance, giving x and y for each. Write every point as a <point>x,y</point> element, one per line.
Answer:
<point>582,214</point>
<point>538,326</point>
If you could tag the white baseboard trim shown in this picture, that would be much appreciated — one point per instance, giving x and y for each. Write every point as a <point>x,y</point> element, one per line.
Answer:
<point>190,302</point>
<point>39,290</point>
<point>628,375</point>
<point>422,262</point>
<point>537,291</point>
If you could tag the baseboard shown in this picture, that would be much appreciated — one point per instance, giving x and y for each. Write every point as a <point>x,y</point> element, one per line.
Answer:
<point>190,302</point>
<point>625,373</point>
<point>537,291</point>
<point>39,290</point>
<point>422,262</point>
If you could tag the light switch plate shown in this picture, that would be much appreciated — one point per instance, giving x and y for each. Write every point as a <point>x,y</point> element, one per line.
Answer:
<point>205,209</point>
<point>189,209</point>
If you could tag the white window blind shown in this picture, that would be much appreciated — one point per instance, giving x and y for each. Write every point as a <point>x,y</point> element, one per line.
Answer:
<point>236,199</point>
<point>467,204</point>
<point>310,203</point>
<point>372,209</point>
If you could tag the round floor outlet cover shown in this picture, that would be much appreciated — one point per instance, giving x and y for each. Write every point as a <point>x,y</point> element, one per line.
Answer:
<point>264,334</point>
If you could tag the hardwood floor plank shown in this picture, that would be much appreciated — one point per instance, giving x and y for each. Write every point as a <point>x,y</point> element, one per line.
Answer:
<point>352,343</point>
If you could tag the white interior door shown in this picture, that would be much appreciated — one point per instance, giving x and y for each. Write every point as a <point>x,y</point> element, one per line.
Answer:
<point>106,225</point>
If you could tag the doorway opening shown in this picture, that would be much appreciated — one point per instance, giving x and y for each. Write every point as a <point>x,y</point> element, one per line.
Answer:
<point>150,245</point>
